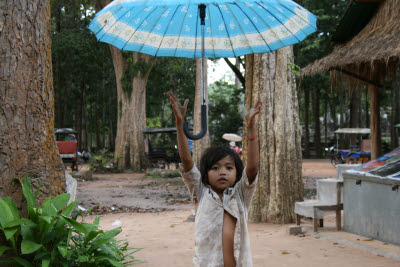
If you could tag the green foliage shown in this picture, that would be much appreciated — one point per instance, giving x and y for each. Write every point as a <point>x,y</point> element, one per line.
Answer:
<point>132,70</point>
<point>103,162</point>
<point>224,114</point>
<point>50,237</point>
<point>84,77</point>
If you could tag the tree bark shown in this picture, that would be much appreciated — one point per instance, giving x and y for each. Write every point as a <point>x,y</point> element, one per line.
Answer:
<point>129,143</point>
<point>395,118</point>
<point>354,113</point>
<point>269,77</point>
<point>199,145</point>
<point>375,121</point>
<point>27,138</point>
<point>306,121</point>
<point>317,123</point>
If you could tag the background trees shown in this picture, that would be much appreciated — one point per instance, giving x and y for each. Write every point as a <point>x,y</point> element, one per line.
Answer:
<point>86,87</point>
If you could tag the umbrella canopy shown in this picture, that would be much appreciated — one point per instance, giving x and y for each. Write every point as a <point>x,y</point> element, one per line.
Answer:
<point>202,28</point>
<point>232,137</point>
<point>232,28</point>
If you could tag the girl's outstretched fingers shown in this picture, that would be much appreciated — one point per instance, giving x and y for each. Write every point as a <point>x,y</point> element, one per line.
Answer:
<point>179,110</point>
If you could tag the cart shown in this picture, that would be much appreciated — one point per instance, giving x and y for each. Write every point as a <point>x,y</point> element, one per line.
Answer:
<point>161,157</point>
<point>68,147</point>
<point>355,153</point>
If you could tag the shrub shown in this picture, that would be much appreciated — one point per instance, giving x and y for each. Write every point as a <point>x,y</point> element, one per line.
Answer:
<point>50,236</point>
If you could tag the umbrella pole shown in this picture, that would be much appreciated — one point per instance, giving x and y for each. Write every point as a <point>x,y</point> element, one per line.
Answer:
<point>203,131</point>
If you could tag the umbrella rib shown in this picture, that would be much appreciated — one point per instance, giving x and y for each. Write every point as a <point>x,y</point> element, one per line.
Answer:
<point>266,43</point>
<point>195,39</point>
<point>151,32</point>
<point>298,17</point>
<point>166,29</point>
<point>116,20</point>
<point>300,29</point>
<point>211,31</point>
<point>127,24</point>
<point>244,33</point>
<point>227,32</point>
<point>177,43</point>
<point>280,22</point>
<point>138,29</point>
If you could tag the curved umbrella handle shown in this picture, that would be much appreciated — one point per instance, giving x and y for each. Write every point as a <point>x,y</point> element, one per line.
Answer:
<point>203,125</point>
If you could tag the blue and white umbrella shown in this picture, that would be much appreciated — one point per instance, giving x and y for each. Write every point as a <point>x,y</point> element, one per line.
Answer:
<point>202,28</point>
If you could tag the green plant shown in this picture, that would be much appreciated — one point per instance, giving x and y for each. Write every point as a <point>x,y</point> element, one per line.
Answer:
<point>102,163</point>
<point>51,237</point>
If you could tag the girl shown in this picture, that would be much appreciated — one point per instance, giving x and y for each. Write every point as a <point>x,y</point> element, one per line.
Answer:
<point>222,191</point>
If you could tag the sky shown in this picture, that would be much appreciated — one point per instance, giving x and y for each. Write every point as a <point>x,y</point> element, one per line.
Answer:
<point>220,70</point>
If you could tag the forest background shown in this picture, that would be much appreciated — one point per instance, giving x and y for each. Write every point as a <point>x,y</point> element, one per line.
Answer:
<point>86,90</point>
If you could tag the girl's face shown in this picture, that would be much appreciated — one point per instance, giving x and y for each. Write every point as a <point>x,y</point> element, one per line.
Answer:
<point>222,174</point>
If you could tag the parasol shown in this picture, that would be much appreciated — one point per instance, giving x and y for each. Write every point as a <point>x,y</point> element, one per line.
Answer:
<point>202,28</point>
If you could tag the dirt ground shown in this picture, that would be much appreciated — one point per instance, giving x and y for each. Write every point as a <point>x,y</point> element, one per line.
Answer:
<point>153,214</point>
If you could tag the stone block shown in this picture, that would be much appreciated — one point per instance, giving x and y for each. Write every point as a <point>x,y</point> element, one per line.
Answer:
<point>294,230</point>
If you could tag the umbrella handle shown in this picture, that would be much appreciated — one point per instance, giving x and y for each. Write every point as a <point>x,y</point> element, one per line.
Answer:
<point>203,125</point>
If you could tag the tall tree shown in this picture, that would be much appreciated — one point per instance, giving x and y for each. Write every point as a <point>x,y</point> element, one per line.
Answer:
<point>132,71</point>
<point>200,145</point>
<point>27,138</point>
<point>270,77</point>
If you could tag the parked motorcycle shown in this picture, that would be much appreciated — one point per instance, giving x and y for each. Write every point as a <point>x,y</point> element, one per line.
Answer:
<point>336,157</point>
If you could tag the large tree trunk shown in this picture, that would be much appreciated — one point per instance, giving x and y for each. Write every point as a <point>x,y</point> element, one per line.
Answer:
<point>354,113</point>
<point>395,118</point>
<point>317,124</point>
<point>269,77</point>
<point>306,121</point>
<point>27,139</point>
<point>375,121</point>
<point>129,142</point>
<point>200,145</point>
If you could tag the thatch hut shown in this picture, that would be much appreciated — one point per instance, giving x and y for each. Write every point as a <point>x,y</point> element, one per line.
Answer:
<point>367,49</point>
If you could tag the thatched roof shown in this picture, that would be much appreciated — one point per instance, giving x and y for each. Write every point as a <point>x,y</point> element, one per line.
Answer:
<point>376,46</point>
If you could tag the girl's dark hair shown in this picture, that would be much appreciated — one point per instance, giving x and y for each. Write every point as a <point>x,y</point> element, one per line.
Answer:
<point>212,155</point>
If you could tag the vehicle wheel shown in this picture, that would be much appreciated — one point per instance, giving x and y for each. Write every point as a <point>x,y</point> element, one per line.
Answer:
<point>161,164</point>
<point>337,159</point>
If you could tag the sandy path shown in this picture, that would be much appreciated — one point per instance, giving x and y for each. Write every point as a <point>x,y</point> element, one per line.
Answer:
<point>167,238</point>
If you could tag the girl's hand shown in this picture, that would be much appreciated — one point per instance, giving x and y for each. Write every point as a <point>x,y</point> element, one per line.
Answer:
<point>251,114</point>
<point>179,110</point>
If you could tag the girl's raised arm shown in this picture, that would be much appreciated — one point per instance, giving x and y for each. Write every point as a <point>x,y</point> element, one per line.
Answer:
<point>252,150</point>
<point>183,145</point>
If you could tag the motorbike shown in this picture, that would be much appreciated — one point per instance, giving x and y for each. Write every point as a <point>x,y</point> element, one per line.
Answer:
<point>336,157</point>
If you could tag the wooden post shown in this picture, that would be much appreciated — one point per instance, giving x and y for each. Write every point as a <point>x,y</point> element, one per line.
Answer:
<point>375,121</point>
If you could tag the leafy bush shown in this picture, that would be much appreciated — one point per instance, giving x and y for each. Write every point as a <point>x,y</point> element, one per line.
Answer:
<point>51,237</point>
<point>103,163</point>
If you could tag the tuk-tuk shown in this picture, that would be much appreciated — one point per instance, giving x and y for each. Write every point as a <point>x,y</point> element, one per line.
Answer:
<point>356,153</point>
<point>68,146</point>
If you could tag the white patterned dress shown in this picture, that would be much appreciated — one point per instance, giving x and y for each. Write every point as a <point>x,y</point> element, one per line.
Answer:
<point>209,219</point>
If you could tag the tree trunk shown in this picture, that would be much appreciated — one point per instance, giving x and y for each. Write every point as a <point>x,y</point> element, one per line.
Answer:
<point>111,127</point>
<point>199,145</point>
<point>354,114</point>
<point>317,123</point>
<point>395,118</point>
<point>27,138</point>
<point>375,121</point>
<point>129,142</point>
<point>269,77</point>
<point>306,121</point>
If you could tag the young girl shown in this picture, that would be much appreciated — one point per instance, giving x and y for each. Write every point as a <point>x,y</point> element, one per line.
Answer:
<point>222,191</point>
